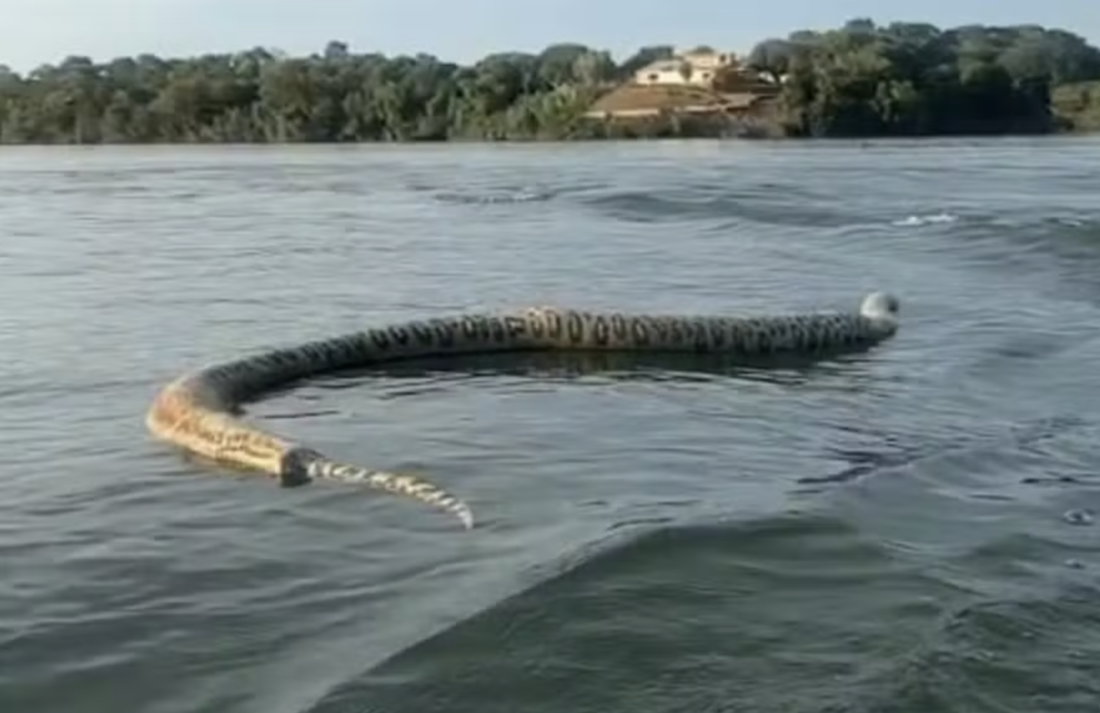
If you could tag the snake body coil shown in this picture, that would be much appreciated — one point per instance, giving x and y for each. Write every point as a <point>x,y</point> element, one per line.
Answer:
<point>195,412</point>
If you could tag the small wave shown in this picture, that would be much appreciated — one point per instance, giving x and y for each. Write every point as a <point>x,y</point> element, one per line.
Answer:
<point>1024,438</point>
<point>926,219</point>
<point>1072,222</point>
<point>523,195</point>
<point>678,205</point>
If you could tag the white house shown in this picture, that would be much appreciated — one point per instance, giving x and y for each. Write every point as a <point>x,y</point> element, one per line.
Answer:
<point>699,68</point>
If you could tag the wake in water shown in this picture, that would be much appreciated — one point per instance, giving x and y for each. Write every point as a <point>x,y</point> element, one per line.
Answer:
<point>708,616</point>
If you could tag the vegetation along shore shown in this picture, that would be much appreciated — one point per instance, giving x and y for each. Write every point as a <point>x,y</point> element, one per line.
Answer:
<point>861,80</point>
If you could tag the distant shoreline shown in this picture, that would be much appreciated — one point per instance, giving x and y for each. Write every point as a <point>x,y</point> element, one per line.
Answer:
<point>540,142</point>
<point>786,140</point>
<point>522,140</point>
<point>860,81</point>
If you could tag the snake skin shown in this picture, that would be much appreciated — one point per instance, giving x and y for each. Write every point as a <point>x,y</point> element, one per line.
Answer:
<point>196,412</point>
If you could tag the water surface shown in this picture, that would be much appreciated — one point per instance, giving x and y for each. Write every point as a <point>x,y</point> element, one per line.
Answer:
<point>879,532</point>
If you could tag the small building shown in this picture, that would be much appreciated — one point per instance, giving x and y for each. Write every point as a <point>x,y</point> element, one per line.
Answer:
<point>719,71</point>
<point>700,68</point>
<point>709,60</point>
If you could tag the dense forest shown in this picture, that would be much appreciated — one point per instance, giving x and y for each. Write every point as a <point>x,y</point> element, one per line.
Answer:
<point>862,79</point>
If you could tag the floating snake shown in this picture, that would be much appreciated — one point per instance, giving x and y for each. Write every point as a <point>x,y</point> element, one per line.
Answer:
<point>199,411</point>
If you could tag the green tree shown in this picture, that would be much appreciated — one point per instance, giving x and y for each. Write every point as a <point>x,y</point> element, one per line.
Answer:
<point>861,79</point>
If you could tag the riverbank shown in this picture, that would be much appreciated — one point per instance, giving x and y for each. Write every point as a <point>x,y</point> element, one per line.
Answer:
<point>1078,106</point>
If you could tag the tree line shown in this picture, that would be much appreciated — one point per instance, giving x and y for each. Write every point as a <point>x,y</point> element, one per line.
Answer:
<point>861,79</point>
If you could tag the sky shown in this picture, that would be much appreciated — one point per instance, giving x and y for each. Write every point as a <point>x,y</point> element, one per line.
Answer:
<point>34,32</point>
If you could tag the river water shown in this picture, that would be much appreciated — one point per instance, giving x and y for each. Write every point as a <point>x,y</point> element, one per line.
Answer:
<point>906,529</point>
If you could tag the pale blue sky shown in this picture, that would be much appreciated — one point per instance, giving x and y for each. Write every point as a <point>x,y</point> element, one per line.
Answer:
<point>37,31</point>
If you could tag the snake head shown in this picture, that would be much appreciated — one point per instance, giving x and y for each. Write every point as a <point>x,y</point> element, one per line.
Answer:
<point>880,306</point>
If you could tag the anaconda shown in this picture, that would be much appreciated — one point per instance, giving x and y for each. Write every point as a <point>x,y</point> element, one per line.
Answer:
<point>197,411</point>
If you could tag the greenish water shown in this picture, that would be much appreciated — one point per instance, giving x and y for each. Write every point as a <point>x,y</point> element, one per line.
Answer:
<point>899,530</point>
